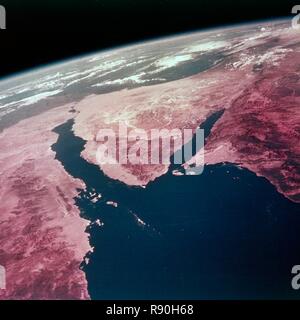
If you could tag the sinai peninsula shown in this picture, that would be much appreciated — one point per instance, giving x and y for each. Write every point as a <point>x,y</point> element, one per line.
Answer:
<point>72,228</point>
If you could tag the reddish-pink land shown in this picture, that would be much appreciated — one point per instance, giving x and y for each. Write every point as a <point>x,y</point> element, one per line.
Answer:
<point>180,104</point>
<point>261,129</point>
<point>42,237</point>
<point>259,90</point>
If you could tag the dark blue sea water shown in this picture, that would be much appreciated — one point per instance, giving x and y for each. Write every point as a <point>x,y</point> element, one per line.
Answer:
<point>224,234</point>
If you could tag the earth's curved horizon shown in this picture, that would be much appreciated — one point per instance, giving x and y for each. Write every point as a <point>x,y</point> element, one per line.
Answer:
<point>61,212</point>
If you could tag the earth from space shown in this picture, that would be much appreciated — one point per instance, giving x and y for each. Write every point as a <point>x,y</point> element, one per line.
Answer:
<point>71,228</point>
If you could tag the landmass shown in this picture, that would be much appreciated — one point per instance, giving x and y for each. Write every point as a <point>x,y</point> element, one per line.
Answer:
<point>259,130</point>
<point>42,236</point>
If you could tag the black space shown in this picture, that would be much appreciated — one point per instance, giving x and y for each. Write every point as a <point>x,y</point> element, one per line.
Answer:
<point>40,32</point>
